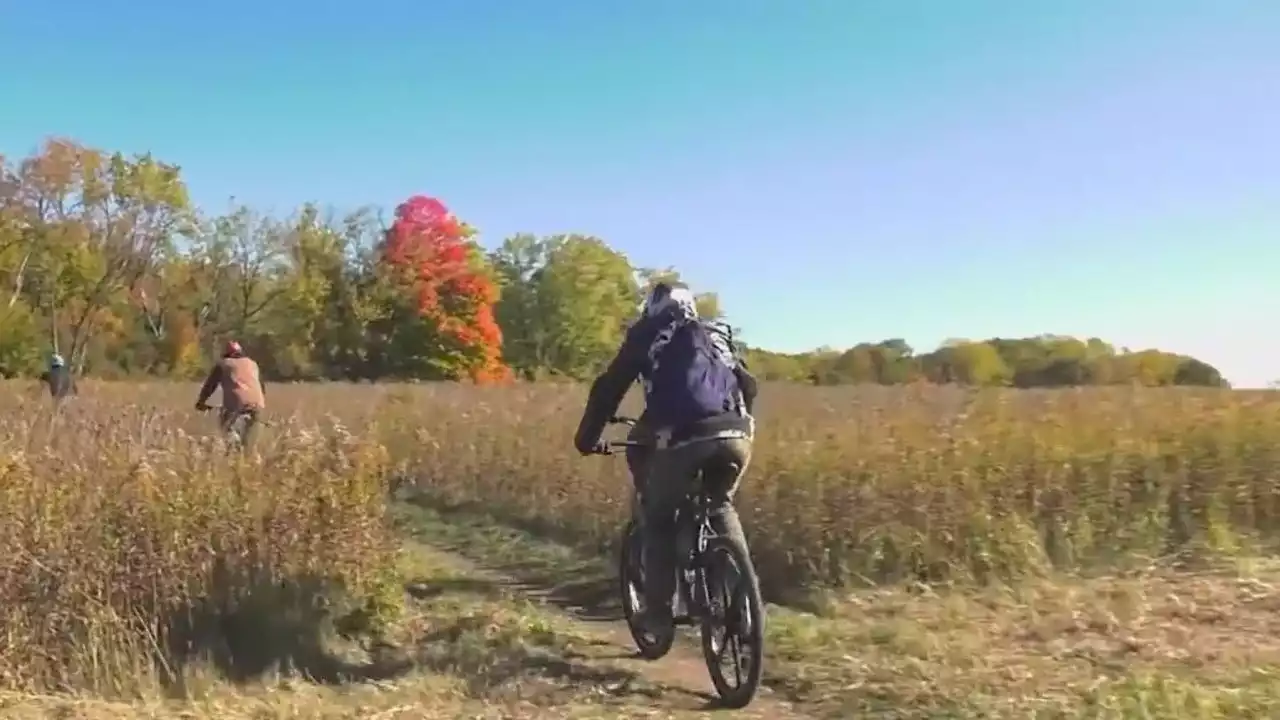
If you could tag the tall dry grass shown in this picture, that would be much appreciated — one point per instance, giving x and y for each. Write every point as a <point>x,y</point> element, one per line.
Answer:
<point>132,545</point>
<point>127,533</point>
<point>885,484</point>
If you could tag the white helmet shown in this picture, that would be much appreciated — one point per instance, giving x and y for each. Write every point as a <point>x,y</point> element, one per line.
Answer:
<point>663,297</point>
<point>55,360</point>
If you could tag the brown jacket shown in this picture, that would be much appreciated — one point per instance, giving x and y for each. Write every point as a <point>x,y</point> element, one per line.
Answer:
<point>240,381</point>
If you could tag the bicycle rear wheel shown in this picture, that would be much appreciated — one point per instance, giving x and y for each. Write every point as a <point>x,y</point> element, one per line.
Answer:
<point>631,581</point>
<point>734,623</point>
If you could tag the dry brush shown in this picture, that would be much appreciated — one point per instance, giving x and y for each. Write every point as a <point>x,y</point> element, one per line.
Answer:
<point>877,485</point>
<point>129,537</point>
<point>132,544</point>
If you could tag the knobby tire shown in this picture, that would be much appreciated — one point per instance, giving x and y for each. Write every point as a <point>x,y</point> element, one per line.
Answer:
<point>743,597</point>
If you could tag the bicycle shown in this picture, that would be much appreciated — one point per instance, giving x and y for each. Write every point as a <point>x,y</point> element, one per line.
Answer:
<point>237,429</point>
<point>736,612</point>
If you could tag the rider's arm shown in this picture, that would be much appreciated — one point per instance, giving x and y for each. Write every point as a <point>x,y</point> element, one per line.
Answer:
<point>611,387</point>
<point>210,383</point>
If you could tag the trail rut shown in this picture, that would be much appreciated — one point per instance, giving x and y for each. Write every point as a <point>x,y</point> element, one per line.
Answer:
<point>593,608</point>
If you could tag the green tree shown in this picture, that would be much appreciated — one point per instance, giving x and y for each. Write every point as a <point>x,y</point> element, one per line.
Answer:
<point>565,302</point>
<point>520,311</point>
<point>967,363</point>
<point>1191,371</point>
<point>775,366</point>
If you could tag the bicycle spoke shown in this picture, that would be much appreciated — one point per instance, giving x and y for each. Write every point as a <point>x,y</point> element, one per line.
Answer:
<point>727,640</point>
<point>737,660</point>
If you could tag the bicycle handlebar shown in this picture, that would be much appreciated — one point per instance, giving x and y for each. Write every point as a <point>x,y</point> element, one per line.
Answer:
<point>243,411</point>
<point>211,408</point>
<point>615,445</point>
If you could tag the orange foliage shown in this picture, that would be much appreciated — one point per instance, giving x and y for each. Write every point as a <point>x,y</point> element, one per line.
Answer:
<point>428,241</point>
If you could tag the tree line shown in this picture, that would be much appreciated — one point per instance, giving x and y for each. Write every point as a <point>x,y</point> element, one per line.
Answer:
<point>105,259</point>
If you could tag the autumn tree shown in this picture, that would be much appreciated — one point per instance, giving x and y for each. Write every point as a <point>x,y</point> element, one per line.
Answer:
<point>89,226</point>
<point>437,321</point>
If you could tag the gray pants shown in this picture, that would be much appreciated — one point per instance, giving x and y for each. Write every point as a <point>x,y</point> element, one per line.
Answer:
<point>664,478</point>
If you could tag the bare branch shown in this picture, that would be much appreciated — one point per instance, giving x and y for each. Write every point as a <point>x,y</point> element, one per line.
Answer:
<point>18,276</point>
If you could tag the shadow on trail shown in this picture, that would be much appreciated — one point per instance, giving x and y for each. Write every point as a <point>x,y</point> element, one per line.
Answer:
<point>583,589</point>
<point>276,627</point>
<point>589,599</point>
<point>498,658</point>
<point>428,588</point>
<point>493,670</point>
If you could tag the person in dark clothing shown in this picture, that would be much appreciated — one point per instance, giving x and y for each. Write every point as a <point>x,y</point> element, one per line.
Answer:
<point>242,390</point>
<point>59,379</point>
<point>699,399</point>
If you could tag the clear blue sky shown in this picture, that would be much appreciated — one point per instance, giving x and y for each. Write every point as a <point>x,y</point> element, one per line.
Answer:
<point>838,170</point>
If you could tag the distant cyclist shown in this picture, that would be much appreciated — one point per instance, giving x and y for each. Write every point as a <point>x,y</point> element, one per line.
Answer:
<point>242,390</point>
<point>59,379</point>
<point>698,403</point>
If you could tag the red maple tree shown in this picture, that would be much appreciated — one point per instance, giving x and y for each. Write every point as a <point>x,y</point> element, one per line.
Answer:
<point>431,247</point>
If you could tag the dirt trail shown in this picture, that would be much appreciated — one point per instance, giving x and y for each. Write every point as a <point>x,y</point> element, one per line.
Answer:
<point>593,608</point>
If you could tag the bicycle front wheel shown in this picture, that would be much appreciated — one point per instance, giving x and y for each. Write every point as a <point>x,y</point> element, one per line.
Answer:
<point>733,628</point>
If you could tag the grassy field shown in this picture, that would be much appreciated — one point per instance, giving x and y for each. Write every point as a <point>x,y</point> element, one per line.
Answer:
<point>869,486</point>
<point>1092,553</point>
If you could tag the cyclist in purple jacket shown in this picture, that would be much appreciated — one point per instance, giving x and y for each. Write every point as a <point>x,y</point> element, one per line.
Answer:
<point>698,403</point>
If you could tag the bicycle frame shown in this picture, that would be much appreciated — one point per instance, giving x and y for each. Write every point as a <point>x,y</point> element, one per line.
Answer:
<point>692,518</point>
<point>237,426</point>
<point>699,538</point>
<point>235,429</point>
